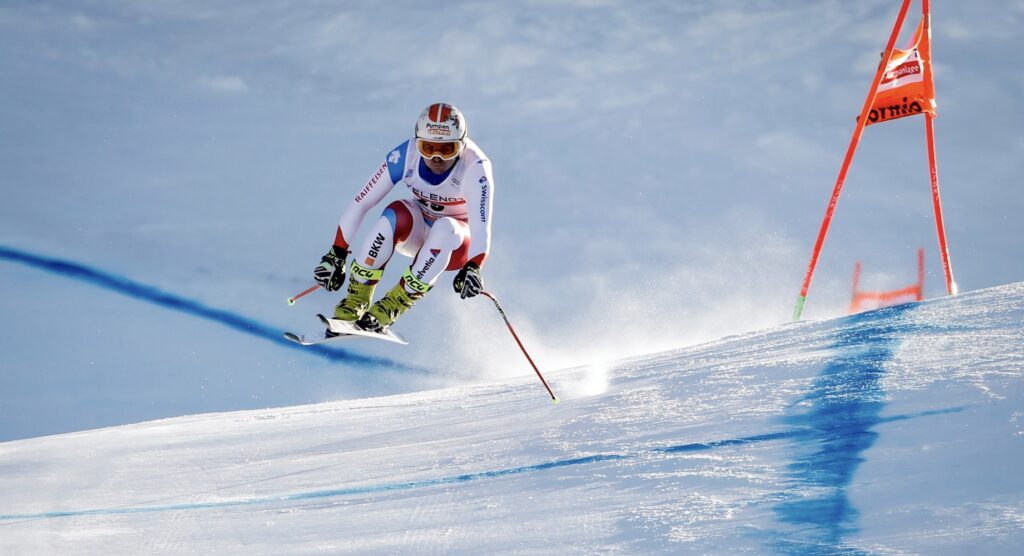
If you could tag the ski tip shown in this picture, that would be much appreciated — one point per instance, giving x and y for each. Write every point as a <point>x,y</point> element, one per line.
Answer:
<point>292,337</point>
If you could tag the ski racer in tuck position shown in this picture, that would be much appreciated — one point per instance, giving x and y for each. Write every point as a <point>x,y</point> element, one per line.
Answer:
<point>446,225</point>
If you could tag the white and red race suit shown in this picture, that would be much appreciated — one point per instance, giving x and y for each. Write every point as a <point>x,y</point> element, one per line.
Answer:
<point>446,224</point>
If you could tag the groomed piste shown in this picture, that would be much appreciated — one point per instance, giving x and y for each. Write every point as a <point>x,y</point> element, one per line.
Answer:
<point>896,430</point>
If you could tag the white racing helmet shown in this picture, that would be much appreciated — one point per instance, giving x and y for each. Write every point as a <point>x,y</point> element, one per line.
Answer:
<point>441,131</point>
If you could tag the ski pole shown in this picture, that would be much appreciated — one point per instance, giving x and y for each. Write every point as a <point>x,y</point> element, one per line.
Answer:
<point>516,336</point>
<point>292,300</point>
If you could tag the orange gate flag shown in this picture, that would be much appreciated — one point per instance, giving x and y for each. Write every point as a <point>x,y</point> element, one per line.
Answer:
<point>907,87</point>
<point>902,86</point>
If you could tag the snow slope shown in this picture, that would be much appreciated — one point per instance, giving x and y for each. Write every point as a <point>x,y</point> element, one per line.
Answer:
<point>196,156</point>
<point>894,431</point>
<point>685,152</point>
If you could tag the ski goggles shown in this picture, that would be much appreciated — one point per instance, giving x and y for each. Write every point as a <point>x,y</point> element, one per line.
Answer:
<point>446,150</point>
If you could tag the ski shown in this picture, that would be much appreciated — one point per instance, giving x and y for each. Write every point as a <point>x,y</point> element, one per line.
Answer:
<point>341,330</point>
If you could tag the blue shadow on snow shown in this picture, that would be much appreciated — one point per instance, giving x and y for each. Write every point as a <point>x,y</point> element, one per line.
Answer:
<point>130,288</point>
<point>835,421</point>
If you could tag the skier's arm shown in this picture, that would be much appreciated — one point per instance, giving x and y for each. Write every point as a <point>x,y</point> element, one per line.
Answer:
<point>330,273</point>
<point>372,192</point>
<point>480,203</point>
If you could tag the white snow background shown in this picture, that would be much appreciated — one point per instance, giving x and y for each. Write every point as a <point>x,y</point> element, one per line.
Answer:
<point>167,169</point>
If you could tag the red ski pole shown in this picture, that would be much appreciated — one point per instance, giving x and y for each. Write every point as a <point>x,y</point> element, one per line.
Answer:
<point>292,300</point>
<point>516,336</point>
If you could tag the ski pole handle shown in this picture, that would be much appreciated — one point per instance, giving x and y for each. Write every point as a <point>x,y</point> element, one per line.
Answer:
<point>292,300</point>
<point>490,296</point>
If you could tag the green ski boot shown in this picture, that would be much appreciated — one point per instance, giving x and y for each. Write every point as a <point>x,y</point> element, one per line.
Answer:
<point>356,302</point>
<point>386,311</point>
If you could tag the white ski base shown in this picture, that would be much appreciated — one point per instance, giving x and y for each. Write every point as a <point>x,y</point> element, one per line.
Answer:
<point>344,330</point>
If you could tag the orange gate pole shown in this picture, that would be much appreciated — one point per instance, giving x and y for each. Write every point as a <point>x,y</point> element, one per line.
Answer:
<point>951,287</point>
<point>857,132</point>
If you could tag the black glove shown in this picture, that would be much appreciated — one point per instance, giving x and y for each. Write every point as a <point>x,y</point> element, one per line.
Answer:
<point>468,282</point>
<point>330,273</point>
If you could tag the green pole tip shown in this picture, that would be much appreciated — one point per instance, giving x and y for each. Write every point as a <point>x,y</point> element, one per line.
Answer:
<point>291,301</point>
<point>799,307</point>
<point>555,400</point>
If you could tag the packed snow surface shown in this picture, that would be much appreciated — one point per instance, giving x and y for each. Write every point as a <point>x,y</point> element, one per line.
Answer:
<point>894,431</point>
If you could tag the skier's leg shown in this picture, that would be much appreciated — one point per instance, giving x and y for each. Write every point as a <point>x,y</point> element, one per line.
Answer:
<point>447,240</point>
<point>395,227</point>
<point>446,244</point>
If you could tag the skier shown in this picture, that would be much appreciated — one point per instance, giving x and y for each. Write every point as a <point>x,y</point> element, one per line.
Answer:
<point>446,225</point>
